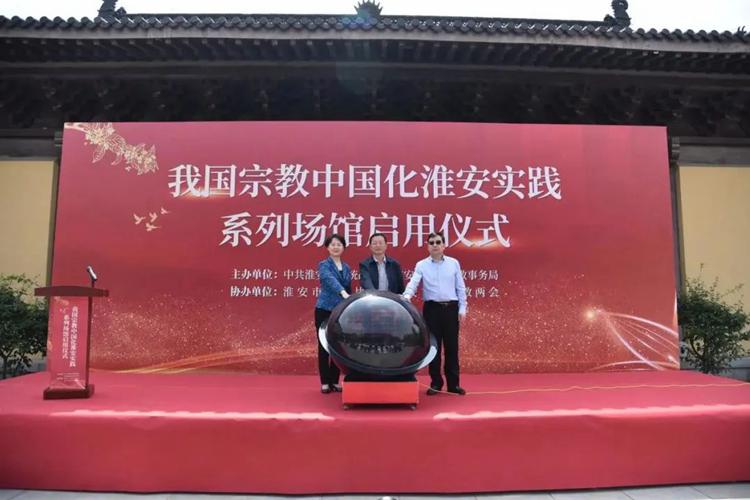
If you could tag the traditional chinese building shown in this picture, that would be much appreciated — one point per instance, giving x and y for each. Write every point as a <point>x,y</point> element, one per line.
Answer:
<point>366,65</point>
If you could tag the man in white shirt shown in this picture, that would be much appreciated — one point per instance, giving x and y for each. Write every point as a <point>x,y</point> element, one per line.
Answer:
<point>444,294</point>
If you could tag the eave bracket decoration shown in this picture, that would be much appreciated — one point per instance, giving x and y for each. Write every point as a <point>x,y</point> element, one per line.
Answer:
<point>108,11</point>
<point>368,9</point>
<point>620,10</point>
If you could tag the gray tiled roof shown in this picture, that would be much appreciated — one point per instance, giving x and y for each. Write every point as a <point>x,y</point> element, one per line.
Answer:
<point>303,24</point>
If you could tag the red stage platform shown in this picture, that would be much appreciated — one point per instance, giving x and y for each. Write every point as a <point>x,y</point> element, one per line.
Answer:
<point>277,434</point>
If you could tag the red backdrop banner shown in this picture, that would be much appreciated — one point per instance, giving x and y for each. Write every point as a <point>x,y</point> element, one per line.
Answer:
<point>208,236</point>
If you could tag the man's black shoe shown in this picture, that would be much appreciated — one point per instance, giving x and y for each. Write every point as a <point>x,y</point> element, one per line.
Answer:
<point>433,390</point>
<point>457,390</point>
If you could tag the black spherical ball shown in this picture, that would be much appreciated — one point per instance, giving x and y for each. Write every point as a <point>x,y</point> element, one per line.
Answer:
<point>378,333</point>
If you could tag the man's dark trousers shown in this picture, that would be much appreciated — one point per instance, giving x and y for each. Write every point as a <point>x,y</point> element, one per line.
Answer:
<point>442,320</point>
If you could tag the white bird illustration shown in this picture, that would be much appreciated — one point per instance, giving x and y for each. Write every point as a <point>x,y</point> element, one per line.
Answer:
<point>150,227</point>
<point>138,220</point>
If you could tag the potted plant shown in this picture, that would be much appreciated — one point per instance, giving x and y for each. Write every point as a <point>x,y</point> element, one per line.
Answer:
<point>23,325</point>
<point>713,330</point>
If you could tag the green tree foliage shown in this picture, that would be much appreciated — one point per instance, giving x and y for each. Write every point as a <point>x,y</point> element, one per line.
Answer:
<point>23,324</point>
<point>712,329</point>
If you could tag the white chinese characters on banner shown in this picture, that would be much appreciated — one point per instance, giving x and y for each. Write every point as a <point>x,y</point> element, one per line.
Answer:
<point>394,182</point>
<point>431,182</point>
<point>310,229</point>
<point>302,283</point>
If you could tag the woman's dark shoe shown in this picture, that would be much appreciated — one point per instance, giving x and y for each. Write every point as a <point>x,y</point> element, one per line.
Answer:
<point>325,388</point>
<point>457,390</point>
<point>336,388</point>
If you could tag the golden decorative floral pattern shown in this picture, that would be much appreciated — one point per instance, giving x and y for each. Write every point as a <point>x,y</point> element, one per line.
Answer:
<point>106,140</point>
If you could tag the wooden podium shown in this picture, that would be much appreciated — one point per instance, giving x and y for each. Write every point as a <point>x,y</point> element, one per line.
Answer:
<point>68,345</point>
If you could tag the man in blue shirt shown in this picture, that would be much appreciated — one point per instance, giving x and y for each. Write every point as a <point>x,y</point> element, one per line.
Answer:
<point>379,272</point>
<point>444,294</point>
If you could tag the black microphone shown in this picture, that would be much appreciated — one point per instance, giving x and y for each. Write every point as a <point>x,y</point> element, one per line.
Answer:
<point>92,274</point>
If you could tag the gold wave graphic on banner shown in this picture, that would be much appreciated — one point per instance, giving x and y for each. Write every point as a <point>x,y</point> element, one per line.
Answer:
<point>652,344</point>
<point>218,359</point>
<point>105,139</point>
<point>293,345</point>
